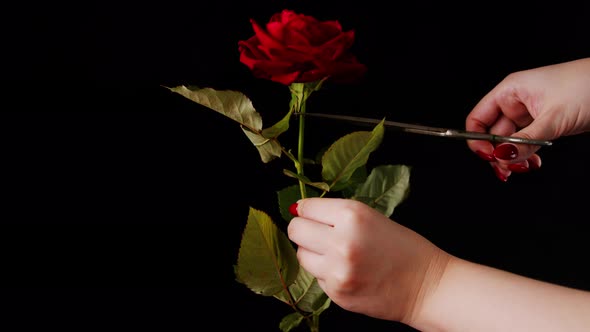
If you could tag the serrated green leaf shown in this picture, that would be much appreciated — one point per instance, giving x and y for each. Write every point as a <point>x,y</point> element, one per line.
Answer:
<point>356,179</point>
<point>290,321</point>
<point>349,153</point>
<point>238,107</point>
<point>278,128</point>
<point>268,148</point>
<point>323,307</point>
<point>233,104</point>
<point>385,188</point>
<point>290,195</point>
<point>267,261</point>
<point>307,293</point>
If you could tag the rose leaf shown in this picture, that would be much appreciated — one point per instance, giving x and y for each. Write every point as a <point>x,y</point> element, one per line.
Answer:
<point>267,262</point>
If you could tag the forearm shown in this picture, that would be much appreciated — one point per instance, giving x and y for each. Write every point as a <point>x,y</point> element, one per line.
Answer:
<point>473,297</point>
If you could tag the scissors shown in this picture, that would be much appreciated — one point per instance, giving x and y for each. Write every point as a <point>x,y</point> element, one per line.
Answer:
<point>433,131</point>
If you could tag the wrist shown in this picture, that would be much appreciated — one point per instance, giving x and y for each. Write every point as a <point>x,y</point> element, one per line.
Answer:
<point>437,266</point>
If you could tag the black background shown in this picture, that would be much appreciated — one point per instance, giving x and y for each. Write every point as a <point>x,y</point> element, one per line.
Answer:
<point>123,204</point>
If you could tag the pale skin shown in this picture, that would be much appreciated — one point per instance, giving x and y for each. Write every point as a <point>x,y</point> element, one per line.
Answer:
<point>543,103</point>
<point>369,264</point>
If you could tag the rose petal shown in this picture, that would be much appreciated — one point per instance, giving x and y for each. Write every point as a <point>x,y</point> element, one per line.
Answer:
<point>304,54</point>
<point>334,48</point>
<point>263,37</point>
<point>276,30</point>
<point>251,46</point>
<point>285,79</point>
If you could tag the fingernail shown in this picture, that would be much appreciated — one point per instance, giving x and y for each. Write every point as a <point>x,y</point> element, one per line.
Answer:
<point>293,209</point>
<point>518,168</point>
<point>506,151</point>
<point>485,156</point>
<point>499,174</point>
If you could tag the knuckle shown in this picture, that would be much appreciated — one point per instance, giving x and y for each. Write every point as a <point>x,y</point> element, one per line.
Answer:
<point>351,212</point>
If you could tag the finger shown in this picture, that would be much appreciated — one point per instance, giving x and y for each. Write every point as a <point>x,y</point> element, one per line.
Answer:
<point>511,117</point>
<point>329,211</point>
<point>510,153</point>
<point>500,112</point>
<point>504,126</point>
<point>484,114</point>
<point>504,170</point>
<point>534,162</point>
<point>543,128</point>
<point>509,156</point>
<point>311,235</point>
<point>502,173</point>
<point>312,262</point>
<point>512,107</point>
<point>480,119</point>
<point>484,149</point>
<point>518,114</point>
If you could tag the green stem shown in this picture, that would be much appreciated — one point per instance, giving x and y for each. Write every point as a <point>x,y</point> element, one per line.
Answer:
<point>314,323</point>
<point>300,142</point>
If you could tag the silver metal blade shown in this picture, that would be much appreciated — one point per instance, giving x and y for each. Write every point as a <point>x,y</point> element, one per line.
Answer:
<point>433,131</point>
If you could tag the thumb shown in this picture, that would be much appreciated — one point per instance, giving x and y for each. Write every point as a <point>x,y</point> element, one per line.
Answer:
<point>540,129</point>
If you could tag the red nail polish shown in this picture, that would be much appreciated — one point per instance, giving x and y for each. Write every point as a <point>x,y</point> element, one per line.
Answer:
<point>293,209</point>
<point>518,168</point>
<point>506,152</point>
<point>485,156</point>
<point>499,174</point>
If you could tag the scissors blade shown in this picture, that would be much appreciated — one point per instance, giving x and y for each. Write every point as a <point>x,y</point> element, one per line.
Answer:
<point>433,131</point>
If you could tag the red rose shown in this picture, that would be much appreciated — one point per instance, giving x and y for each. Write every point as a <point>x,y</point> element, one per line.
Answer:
<point>296,48</point>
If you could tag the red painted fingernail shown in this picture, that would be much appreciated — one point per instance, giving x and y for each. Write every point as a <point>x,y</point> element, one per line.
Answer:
<point>499,174</point>
<point>293,209</point>
<point>485,156</point>
<point>506,151</point>
<point>518,168</point>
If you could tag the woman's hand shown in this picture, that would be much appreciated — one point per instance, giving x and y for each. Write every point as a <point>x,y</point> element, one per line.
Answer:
<point>364,261</point>
<point>543,103</point>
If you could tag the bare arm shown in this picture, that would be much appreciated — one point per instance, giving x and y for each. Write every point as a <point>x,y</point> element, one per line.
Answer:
<point>371,265</point>
<point>474,297</point>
